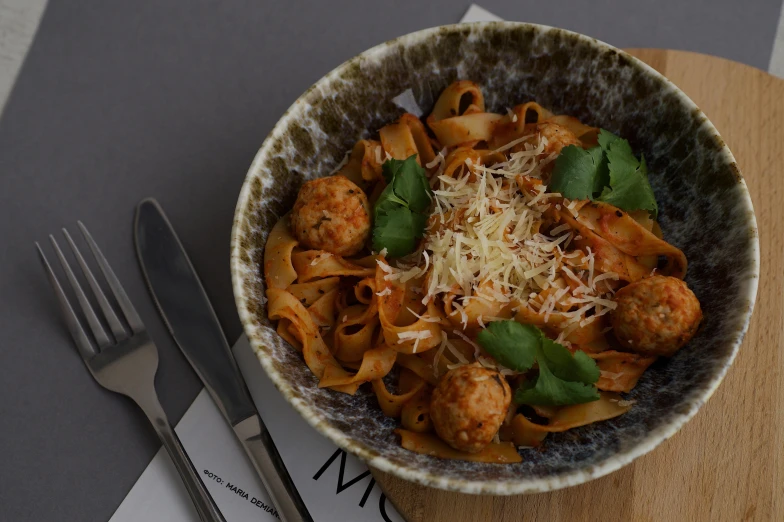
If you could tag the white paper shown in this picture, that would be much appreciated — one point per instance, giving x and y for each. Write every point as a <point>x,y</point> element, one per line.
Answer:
<point>314,463</point>
<point>406,101</point>
<point>321,472</point>
<point>479,14</point>
<point>159,494</point>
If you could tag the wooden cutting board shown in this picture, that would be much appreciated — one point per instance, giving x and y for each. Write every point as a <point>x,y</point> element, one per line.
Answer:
<point>728,462</point>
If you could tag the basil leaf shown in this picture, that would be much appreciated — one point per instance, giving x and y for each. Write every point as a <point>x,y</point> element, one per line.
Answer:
<point>602,176</point>
<point>510,343</point>
<point>574,173</point>
<point>390,168</point>
<point>386,202</point>
<point>395,230</point>
<point>629,186</point>
<point>549,390</point>
<point>609,172</point>
<point>399,213</point>
<point>563,378</point>
<point>410,185</point>
<point>605,138</point>
<point>577,367</point>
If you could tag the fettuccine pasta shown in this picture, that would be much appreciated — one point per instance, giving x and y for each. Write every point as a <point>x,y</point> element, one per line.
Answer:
<point>495,245</point>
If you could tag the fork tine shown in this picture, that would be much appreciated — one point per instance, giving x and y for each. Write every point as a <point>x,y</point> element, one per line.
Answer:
<point>101,338</point>
<point>114,323</point>
<point>83,344</point>
<point>131,316</point>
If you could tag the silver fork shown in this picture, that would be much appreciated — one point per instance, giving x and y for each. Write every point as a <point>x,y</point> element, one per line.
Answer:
<point>124,362</point>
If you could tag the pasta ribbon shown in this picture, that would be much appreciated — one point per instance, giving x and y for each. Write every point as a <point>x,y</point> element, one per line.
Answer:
<point>620,371</point>
<point>465,129</point>
<point>415,415</point>
<point>315,264</point>
<point>407,137</point>
<point>283,305</point>
<point>466,157</point>
<point>364,163</point>
<point>451,98</point>
<point>398,141</point>
<point>471,316</point>
<point>609,405</point>
<point>426,444</point>
<point>526,315</point>
<point>421,139</point>
<point>453,126</point>
<point>419,366</point>
<point>286,330</point>
<point>392,405</point>
<point>588,333</point>
<point>354,332</point>
<point>520,123</point>
<point>322,311</point>
<point>585,133</point>
<point>630,237</point>
<point>420,336</point>
<point>608,257</point>
<point>308,293</point>
<point>376,363</point>
<point>279,270</point>
<point>458,159</point>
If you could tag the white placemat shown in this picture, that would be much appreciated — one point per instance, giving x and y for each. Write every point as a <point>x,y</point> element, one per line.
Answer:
<point>336,486</point>
<point>479,14</point>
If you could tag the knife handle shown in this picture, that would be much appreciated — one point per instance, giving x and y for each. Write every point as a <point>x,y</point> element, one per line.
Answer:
<point>264,455</point>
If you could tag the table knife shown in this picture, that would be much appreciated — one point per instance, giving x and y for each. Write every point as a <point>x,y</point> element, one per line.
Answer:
<point>189,316</point>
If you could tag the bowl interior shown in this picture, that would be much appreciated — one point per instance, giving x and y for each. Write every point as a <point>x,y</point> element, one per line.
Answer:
<point>704,209</point>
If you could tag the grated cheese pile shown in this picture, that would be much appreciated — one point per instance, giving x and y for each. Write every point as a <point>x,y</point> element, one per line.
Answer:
<point>486,243</point>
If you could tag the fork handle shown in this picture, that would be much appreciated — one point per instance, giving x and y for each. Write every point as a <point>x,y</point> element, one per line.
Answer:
<point>202,500</point>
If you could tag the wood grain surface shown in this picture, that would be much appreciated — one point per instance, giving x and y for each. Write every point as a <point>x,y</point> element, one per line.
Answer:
<point>728,462</point>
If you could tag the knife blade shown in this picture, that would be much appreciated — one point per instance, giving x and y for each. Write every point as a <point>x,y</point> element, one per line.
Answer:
<point>191,320</point>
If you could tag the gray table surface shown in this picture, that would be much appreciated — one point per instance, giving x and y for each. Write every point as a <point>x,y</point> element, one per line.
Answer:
<point>121,100</point>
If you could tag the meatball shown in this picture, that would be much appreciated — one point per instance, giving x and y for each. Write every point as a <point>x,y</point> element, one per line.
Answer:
<point>468,406</point>
<point>557,136</point>
<point>331,214</point>
<point>656,316</point>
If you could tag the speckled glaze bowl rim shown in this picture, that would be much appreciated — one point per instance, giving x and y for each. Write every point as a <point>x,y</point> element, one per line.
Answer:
<point>501,487</point>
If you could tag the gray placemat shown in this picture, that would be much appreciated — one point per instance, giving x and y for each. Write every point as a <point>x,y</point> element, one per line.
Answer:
<point>122,100</point>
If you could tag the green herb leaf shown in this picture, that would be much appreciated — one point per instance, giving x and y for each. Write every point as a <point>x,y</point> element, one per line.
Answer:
<point>629,187</point>
<point>387,201</point>
<point>391,167</point>
<point>420,222</point>
<point>399,218</point>
<point>563,378</point>
<point>578,367</point>
<point>510,343</point>
<point>396,231</point>
<point>609,172</point>
<point>410,184</point>
<point>606,138</point>
<point>602,177</point>
<point>549,390</point>
<point>574,174</point>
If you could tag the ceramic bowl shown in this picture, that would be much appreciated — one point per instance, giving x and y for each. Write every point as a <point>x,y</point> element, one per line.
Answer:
<point>705,210</point>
